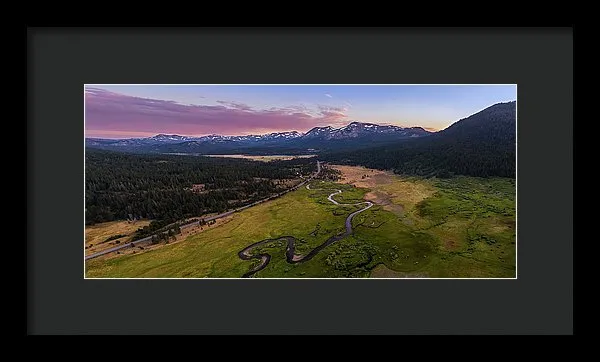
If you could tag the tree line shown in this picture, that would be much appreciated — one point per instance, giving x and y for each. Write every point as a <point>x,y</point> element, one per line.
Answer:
<point>121,186</point>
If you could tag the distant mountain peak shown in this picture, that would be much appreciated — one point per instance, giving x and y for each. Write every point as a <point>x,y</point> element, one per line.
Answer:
<point>171,137</point>
<point>316,137</point>
<point>281,135</point>
<point>354,129</point>
<point>357,129</point>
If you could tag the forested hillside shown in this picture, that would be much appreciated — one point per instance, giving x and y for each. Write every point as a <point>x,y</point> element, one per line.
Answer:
<point>172,187</point>
<point>483,144</point>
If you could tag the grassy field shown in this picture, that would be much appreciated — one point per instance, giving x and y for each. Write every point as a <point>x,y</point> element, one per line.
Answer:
<point>96,236</point>
<point>458,227</point>
<point>213,253</point>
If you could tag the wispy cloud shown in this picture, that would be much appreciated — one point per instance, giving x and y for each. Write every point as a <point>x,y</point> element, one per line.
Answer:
<point>348,104</point>
<point>111,113</point>
<point>236,105</point>
<point>328,95</point>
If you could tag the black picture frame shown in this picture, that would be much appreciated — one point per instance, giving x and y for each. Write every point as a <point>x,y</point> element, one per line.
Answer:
<point>60,61</point>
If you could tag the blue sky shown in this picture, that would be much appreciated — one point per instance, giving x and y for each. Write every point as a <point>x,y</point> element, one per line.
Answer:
<point>118,111</point>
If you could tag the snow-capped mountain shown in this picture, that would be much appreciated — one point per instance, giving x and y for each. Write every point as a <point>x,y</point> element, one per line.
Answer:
<point>359,129</point>
<point>169,138</point>
<point>136,142</point>
<point>319,132</point>
<point>248,138</point>
<point>282,135</point>
<point>316,138</point>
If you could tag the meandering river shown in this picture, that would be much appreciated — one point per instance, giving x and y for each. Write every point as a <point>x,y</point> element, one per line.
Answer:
<point>291,255</point>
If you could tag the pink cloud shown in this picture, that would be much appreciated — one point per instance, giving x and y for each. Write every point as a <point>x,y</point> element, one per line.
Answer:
<point>95,133</point>
<point>113,113</point>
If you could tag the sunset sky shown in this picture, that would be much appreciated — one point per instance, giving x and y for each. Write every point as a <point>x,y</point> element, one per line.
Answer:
<point>123,111</point>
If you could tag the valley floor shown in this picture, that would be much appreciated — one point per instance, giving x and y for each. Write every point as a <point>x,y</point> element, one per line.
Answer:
<point>462,227</point>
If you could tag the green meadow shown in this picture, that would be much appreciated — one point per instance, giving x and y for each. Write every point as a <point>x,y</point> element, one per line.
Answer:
<point>462,227</point>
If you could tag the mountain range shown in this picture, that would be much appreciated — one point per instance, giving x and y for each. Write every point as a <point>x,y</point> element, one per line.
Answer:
<point>483,144</point>
<point>316,139</point>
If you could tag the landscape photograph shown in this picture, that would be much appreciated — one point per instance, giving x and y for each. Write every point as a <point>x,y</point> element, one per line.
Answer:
<point>263,181</point>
